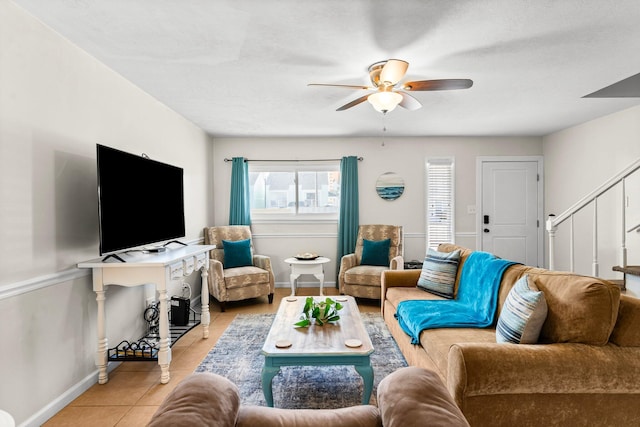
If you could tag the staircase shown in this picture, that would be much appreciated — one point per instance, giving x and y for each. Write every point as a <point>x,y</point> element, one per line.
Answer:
<point>631,273</point>
<point>632,270</point>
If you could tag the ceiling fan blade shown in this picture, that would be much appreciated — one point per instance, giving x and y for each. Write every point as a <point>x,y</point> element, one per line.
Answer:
<point>343,86</point>
<point>393,71</point>
<point>409,102</point>
<point>353,103</point>
<point>444,84</point>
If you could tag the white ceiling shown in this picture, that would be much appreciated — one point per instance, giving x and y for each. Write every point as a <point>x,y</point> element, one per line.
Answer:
<point>241,67</point>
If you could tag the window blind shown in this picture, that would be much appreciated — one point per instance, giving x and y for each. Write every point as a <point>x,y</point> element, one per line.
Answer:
<point>440,201</point>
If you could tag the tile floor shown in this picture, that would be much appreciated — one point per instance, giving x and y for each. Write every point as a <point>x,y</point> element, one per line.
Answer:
<point>134,392</point>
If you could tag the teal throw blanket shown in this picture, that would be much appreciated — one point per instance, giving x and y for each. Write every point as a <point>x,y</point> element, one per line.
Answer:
<point>474,307</point>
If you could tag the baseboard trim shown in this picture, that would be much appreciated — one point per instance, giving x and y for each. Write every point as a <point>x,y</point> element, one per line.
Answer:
<point>76,390</point>
<point>55,406</point>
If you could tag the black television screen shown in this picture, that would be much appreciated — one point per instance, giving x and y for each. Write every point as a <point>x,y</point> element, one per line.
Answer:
<point>141,201</point>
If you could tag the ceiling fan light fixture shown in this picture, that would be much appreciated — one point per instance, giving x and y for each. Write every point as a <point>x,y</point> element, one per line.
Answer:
<point>389,92</point>
<point>384,101</point>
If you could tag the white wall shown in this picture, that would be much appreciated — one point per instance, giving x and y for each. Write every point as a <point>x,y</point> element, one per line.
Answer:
<point>578,160</point>
<point>405,156</point>
<point>56,103</point>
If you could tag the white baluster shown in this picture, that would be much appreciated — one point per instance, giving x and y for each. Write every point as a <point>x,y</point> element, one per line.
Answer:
<point>594,265</point>
<point>623,247</point>
<point>571,246</point>
<point>551,230</point>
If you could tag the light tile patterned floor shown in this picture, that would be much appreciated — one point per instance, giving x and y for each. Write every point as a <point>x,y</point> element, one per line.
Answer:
<point>134,392</point>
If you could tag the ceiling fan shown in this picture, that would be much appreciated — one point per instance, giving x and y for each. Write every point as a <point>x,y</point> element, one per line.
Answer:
<point>389,92</point>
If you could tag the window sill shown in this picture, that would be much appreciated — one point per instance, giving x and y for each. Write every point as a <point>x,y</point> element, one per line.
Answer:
<point>295,220</point>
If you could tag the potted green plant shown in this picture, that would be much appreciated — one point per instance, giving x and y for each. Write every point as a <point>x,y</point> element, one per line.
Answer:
<point>324,311</point>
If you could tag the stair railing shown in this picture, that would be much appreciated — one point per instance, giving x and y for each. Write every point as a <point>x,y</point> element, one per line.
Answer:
<point>554,221</point>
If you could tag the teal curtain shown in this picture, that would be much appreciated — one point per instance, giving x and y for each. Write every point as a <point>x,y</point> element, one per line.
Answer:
<point>349,211</point>
<point>239,207</point>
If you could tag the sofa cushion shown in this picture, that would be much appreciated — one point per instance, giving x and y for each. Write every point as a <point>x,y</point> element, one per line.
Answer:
<point>355,416</point>
<point>437,342</point>
<point>626,333</point>
<point>395,295</point>
<point>581,309</point>
<point>523,314</point>
<point>375,252</point>
<point>202,399</point>
<point>367,275</point>
<point>439,271</point>
<point>237,253</point>
<point>241,277</point>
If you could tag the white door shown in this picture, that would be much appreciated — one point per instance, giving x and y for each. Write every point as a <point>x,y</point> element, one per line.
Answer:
<point>511,210</point>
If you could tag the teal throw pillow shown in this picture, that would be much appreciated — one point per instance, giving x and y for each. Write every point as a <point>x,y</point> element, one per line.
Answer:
<point>438,275</point>
<point>237,253</point>
<point>523,314</point>
<point>375,252</point>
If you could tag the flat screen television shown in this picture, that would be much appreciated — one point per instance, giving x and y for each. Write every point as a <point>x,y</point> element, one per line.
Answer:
<point>140,201</point>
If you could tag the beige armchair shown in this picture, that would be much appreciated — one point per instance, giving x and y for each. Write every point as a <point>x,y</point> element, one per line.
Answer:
<point>251,279</point>
<point>360,280</point>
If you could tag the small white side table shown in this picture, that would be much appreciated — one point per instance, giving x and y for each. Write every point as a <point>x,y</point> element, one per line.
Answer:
<point>300,267</point>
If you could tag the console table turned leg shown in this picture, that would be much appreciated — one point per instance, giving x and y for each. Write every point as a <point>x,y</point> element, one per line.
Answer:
<point>164,354</point>
<point>205,318</point>
<point>103,347</point>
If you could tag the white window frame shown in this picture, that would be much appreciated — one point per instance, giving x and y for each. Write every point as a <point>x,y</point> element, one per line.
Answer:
<point>294,167</point>
<point>440,185</point>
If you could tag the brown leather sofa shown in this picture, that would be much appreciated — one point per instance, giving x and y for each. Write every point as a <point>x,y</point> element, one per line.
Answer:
<point>409,397</point>
<point>584,370</point>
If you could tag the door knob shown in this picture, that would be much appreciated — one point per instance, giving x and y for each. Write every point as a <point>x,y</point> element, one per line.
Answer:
<point>486,230</point>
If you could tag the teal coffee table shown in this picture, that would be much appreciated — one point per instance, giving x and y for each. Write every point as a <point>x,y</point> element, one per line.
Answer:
<point>343,343</point>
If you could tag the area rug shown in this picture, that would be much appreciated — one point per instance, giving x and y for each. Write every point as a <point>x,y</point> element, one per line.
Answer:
<point>237,357</point>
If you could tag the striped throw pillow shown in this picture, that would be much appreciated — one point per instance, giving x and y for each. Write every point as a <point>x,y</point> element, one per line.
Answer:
<point>438,274</point>
<point>523,314</point>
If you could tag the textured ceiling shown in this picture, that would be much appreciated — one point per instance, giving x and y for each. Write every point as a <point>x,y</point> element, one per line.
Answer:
<point>241,67</point>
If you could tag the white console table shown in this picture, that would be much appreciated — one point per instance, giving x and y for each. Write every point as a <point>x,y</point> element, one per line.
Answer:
<point>141,269</point>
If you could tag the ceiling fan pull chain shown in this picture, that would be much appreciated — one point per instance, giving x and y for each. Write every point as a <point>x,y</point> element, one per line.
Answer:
<point>384,129</point>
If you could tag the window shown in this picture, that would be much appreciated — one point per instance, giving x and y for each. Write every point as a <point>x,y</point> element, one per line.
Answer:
<point>288,190</point>
<point>440,201</point>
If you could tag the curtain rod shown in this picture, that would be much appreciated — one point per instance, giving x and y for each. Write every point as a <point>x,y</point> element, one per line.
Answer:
<point>292,160</point>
